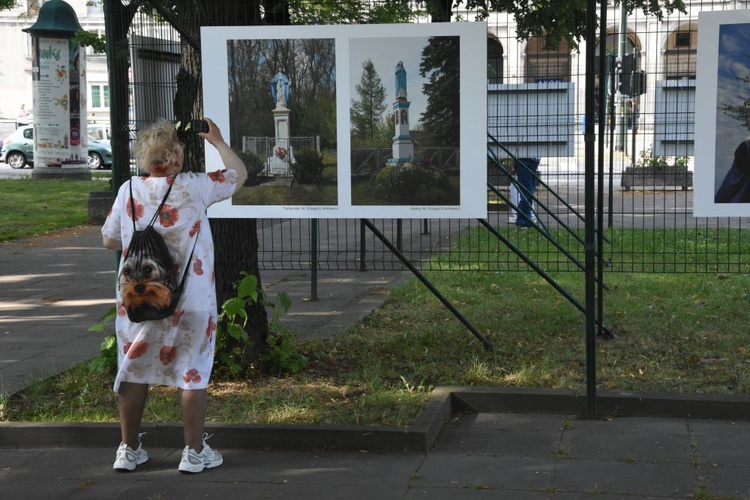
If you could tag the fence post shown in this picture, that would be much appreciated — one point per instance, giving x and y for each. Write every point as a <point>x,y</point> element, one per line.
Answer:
<point>362,266</point>
<point>425,226</point>
<point>313,259</point>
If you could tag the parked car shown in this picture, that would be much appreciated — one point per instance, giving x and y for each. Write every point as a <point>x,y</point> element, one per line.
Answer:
<point>102,132</point>
<point>99,131</point>
<point>18,150</point>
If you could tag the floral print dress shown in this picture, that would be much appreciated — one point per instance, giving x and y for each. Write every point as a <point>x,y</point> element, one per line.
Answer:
<point>176,351</point>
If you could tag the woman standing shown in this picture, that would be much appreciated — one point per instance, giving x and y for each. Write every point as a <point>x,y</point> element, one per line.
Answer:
<point>176,351</point>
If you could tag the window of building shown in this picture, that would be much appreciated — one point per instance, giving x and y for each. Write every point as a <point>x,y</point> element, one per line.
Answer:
<point>494,61</point>
<point>33,6</point>
<point>680,53</point>
<point>99,96</point>
<point>682,39</point>
<point>94,8</point>
<point>547,61</point>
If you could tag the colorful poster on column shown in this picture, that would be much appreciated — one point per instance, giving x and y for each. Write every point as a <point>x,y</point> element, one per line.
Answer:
<point>57,104</point>
<point>384,121</point>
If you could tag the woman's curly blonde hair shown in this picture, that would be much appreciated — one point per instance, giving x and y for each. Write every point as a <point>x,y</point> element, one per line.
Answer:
<point>158,144</point>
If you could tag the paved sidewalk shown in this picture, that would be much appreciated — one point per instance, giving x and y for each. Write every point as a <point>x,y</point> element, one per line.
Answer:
<point>478,456</point>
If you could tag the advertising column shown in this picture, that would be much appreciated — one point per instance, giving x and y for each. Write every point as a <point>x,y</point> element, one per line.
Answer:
<point>58,75</point>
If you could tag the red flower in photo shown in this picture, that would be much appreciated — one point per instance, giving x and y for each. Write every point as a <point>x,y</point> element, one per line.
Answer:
<point>167,353</point>
<point>211,326</point>
<point>138,210</point>
<point>126,347</point>
<point>137,350</point>
<point>198,267</point>
<point>177,316</point>
<point>218,175</point>
<point>195,229</point>
<point>191,376</point>
<point>168,216</point>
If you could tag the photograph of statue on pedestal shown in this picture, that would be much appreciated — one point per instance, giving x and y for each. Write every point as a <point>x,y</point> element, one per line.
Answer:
<point>351,121</point>
<point>281,98</point>
<point>406,106</point>
<point>722,134</point>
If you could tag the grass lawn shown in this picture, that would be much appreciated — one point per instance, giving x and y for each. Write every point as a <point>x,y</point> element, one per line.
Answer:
<point>676,332</point>
<point>32,207</point>
<point>679,333</point>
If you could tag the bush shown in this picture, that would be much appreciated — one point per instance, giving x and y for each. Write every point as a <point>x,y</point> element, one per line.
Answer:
<point>410,184</point>
<point>308,166</point>
<point>255,164</point>
<point>647,159</point>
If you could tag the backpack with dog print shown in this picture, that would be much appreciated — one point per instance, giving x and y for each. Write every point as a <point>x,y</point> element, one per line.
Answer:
<point>148,281</point>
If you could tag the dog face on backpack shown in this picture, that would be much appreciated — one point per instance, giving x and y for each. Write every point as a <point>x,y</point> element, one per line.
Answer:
<point>146,281</point>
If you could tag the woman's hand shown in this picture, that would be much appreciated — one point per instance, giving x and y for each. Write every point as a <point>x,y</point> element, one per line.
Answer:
<point>213,136</point>
<point>228,157</point>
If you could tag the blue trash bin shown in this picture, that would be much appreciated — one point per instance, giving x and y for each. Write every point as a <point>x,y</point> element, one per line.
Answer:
<point>527,176</point>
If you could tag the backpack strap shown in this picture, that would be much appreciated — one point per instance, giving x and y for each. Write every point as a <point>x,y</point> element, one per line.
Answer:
<point>187,265</point>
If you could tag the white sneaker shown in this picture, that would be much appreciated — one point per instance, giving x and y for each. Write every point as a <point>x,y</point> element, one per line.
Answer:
<point>127,458</point>
<point>194,462</point>
<point>512,219</point>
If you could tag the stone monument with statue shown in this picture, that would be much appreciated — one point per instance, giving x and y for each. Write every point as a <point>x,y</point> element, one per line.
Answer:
<point>403,145</point>
<point>282,155</point>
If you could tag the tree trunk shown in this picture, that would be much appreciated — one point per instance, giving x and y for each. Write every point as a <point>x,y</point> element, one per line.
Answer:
<point>235,240</point>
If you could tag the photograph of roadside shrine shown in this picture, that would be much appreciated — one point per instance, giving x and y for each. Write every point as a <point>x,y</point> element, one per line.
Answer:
<point>405,127</point>
<point>351,121</point>
<point>286,131</point>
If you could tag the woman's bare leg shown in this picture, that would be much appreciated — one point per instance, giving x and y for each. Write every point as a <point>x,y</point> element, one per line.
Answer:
<point>132,401</point>
<point>193,404</point>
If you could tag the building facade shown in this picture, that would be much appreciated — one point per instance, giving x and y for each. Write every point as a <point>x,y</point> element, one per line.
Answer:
<point>16,63</point>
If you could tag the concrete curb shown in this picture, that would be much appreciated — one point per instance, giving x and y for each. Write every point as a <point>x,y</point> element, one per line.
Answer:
<point>417,438</point>
<point>608,403</point>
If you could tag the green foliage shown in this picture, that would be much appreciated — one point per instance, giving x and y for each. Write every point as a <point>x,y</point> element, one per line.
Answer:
<point>741,111</point>
<point>232,339</point>
<point>351,12</point>
<point>319,119</point>
<point>367,111</point>
<point>90,39</point>
<point>558,18</point>
<point>411,184</point>
<point>255,164</point>
<point>308,166</point>
<point>283,354</point>
<point>106,361</point>
<point>441,120</point>
<point>646,158</point>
